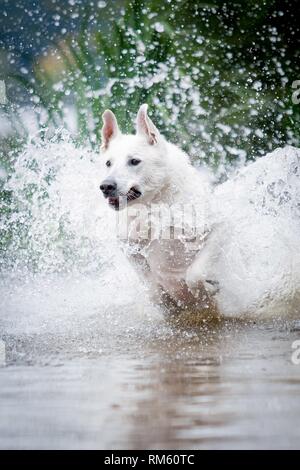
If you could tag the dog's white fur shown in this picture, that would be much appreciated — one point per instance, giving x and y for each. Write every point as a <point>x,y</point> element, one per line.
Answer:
<point>165,176</point>
<point>240,261</point>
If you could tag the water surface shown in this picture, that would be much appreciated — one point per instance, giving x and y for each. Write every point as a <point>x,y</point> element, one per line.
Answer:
<point>88,384</point>
<point>90,363</point>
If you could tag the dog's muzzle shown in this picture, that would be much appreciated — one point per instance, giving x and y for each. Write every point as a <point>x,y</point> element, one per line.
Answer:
<point>115,199</point>
<point>109,188</point>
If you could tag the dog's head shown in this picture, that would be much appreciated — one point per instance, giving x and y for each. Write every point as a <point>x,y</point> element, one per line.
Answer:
<point>135,165</point>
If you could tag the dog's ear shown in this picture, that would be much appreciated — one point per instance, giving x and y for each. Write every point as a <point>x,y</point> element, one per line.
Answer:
<point>110,128</point>
<point>145,127</point>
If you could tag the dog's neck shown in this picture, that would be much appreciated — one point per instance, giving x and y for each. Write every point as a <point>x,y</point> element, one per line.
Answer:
<point>184,183</point>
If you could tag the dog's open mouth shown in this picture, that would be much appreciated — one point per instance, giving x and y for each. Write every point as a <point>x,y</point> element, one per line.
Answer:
<point>118,201</point>
<point>133,194</point>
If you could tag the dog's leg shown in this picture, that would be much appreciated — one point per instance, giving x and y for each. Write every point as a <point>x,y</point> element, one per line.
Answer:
<point>201,274</point>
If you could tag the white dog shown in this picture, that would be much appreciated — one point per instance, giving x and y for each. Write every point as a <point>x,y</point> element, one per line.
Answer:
<point>192,252</point>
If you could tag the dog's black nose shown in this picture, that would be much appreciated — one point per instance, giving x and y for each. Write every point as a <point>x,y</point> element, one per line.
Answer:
<point>108,187</point>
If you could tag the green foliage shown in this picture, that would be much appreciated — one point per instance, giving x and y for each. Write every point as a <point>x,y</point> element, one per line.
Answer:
<point>217,75</point>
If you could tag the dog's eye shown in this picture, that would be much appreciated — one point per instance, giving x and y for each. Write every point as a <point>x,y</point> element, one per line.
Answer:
<point>134,161</point>
<point>108,163</point>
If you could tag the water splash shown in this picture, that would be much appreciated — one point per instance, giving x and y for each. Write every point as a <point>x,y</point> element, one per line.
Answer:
<point>63,268</point>
<point>258,266</point>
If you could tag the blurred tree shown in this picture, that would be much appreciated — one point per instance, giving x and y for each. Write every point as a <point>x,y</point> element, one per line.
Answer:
<point>217,75</point>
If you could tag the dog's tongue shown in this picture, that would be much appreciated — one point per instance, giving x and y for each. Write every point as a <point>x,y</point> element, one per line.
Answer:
<point>113,201</point>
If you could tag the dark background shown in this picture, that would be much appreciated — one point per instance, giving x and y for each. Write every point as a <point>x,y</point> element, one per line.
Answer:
<point>242,69</point>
